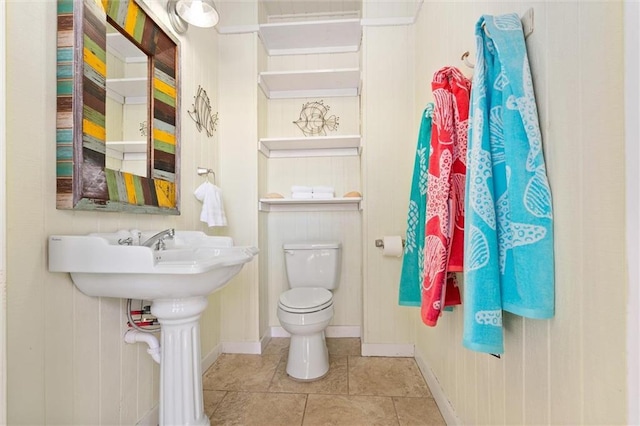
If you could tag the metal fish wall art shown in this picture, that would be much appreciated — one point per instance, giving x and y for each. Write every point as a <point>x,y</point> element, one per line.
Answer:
<point>201,113</point>
<point>314,119</point>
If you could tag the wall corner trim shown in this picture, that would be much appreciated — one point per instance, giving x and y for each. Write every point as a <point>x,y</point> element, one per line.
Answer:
<point>439,396</point>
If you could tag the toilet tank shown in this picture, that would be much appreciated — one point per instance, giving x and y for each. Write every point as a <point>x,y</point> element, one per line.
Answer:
<point>313,264</point>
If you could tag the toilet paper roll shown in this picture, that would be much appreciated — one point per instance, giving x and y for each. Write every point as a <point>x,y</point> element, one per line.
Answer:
<point>392,246</point>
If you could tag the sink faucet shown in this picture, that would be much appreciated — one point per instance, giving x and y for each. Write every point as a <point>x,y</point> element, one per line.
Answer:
<point>158,239</point>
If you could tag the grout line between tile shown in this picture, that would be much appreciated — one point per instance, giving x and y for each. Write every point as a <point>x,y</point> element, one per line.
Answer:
<point>304,412</point>
<point>226,393</point>
<point>395,408</point>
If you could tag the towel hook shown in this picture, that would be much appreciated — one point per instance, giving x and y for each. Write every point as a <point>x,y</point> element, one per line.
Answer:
<point>203,171</point>
<point>465,59</point>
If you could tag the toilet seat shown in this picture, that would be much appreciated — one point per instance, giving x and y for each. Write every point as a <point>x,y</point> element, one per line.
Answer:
<point>305,300</point>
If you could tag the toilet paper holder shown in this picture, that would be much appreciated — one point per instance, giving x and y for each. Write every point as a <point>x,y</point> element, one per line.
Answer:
<point>380,243</point>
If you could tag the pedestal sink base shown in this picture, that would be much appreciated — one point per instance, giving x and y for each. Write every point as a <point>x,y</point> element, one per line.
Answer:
<point>181,401</point>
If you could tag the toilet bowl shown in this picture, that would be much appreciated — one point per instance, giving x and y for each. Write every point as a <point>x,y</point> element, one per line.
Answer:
<point>308,355</point>
<point>306,309</point>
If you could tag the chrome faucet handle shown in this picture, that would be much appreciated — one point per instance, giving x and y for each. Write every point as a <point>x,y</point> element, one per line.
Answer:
<point>125,241</point>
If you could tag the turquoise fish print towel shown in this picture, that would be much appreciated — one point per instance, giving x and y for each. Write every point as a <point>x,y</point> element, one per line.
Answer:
<point>509,224</point>
<point>413,260</point>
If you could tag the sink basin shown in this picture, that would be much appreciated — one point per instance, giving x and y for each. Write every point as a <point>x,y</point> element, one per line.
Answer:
<point>192,264</point>
<point>176,280</point>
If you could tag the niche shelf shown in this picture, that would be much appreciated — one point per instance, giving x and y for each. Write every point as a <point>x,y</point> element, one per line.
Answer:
<point>127,150</point>
<point>312,146</point>
<point>308,84</point>
<point>123,48</point>
<point>311,37</point>
<point>295,205</point>
<point>128,90</point>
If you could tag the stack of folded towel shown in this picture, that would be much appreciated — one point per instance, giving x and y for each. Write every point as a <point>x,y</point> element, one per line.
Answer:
<point>311,192</point>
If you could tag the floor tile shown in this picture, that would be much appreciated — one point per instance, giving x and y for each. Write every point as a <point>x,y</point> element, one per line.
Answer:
<point>349,410</point>
<point>335,382</point>
<point>238,372</point>
<point>263,409</point>
<point>418,411</point>
<point>344,346</point>
<point>277,346</point>
<point>386,377</point>
<point>211,400</point>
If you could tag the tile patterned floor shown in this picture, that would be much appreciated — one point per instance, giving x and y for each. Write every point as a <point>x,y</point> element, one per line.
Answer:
<point>357,391</point>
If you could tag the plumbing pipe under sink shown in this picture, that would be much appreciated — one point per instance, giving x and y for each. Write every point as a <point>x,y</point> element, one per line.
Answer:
<point>134,336</point>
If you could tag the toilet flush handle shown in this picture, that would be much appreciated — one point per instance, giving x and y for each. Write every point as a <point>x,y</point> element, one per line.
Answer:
<point>288,252</point>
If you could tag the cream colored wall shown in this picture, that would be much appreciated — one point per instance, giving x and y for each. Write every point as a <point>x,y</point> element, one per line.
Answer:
<point>239,178</point>
<point>343,173</point>
<point>67,363</point>
<point>389,114</point>
<point>571,369</point>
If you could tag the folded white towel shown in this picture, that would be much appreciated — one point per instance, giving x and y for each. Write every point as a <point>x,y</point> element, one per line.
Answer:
<point>323,195</point>
<point>299,188</point>
<point>301,195</point>
<point>212,209</point>
<point>323,189</point>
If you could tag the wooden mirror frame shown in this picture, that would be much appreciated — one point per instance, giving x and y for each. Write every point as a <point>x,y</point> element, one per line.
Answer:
<point>83,182</point>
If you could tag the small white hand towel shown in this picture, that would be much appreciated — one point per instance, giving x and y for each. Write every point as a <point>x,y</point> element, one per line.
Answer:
<point>322,195</point>
<point>212,209</point>
<point>300,188</point>
<point>323,189</point>
<point>301,195</point>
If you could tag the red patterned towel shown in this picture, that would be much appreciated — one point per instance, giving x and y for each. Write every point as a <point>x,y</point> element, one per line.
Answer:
<point>444,239</point>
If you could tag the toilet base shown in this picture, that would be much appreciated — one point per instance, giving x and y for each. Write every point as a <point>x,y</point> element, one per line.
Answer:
<point>308,357</point>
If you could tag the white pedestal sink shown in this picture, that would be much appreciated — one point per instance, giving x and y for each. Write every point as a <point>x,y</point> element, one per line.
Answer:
<point>176,280</point>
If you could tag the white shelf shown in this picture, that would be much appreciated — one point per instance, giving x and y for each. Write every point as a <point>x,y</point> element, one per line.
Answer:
<point>295,205</point>
<point>311,37</point>
<point>307,84</point>
<point>312,146</point>
<point>128,90</point>
<point>128,146</point>
<point>124,49</point>
<point>127,150</point>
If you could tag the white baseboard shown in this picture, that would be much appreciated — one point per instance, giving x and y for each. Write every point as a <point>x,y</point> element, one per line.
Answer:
<point>265,340</point>
<point>444,405</point>
<point>152,418</point>
<point>388,349</point>
<point>241,348</point>
<point>332,331</point>
<point>211,357</point>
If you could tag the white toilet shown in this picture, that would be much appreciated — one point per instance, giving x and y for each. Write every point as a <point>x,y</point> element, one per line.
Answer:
<point>305,310</point>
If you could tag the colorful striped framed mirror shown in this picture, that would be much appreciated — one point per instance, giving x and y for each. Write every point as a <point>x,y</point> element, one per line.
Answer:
<point>83,180</point>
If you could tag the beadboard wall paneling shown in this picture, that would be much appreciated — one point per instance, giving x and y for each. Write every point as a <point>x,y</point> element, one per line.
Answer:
<point>343,173</point>
<point>571,369</point>
<point>314,62</point>
<point>67,361</point>
<point>283,113</point>
<point>238,67</point>
<point>389,117</point>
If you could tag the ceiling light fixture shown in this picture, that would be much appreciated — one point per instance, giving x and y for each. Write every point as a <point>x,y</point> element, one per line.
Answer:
<point>201,13</point>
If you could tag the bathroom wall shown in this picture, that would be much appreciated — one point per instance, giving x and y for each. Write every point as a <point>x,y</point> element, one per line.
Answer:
<point>342,173</point>
<point>67,363</point>
<point>240,308</point>
<point>571,369</point>
<point>389,111</point>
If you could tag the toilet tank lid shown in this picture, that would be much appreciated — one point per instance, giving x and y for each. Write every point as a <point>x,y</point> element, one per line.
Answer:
<point>312,245</point>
